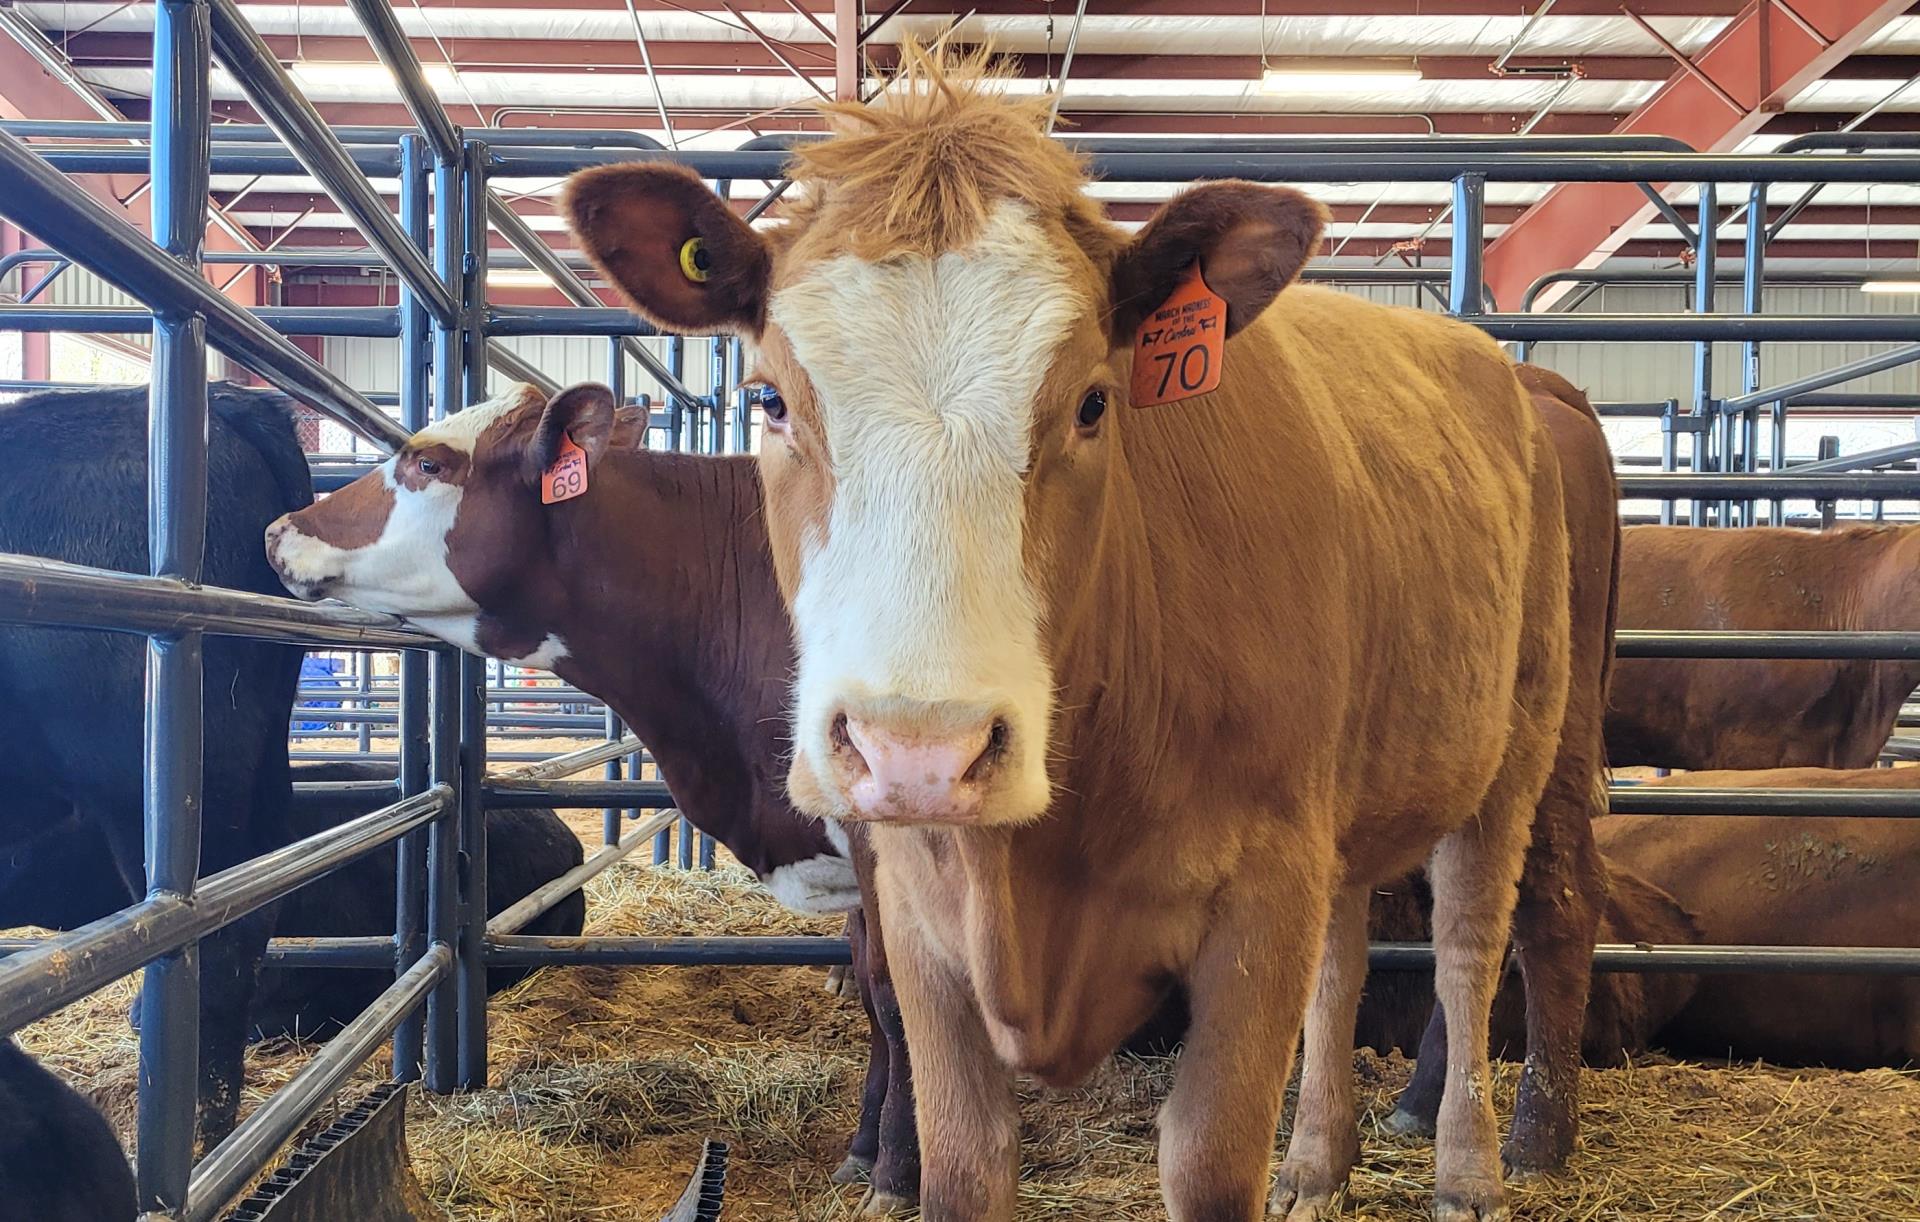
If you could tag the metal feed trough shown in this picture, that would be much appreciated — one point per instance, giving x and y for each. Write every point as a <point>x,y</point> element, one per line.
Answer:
<point>435,1012</point>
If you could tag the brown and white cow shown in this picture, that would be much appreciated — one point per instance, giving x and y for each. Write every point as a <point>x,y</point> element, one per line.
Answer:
<point>450,533</point>
<point>653,591</point>
<point>1762,713</point>
<point>1784,881</point>
<point>1140,696</point>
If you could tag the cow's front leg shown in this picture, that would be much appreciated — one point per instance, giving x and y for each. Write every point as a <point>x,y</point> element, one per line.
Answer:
<point>963,1094</point>
<point>1326,1136</point>
<point>1248,992</point>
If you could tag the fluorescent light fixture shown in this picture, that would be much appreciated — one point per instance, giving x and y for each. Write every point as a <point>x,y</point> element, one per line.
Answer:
<point>312,75</point>
<point>1891,286</point>
<point>517,278</point>
<point>1324,79</point>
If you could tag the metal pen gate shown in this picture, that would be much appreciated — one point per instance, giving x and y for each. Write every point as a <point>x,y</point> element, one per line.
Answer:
<point>435,1012</point>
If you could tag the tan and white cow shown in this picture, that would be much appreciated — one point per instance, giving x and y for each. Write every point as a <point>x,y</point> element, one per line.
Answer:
<point>1131,696</point>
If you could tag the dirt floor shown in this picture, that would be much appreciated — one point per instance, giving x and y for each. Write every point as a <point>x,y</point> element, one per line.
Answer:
<point>605,1082</point>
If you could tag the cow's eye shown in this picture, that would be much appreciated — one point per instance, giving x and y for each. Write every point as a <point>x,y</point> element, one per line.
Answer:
<point>1092,408</point>
<point>428,466</point>
<point>773,405</point>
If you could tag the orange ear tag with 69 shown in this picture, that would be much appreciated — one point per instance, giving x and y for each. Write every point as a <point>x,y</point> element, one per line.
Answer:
<point>567,477</point>
<point>1181,349</point>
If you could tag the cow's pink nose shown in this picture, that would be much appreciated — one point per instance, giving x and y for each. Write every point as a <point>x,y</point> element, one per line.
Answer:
<point>919,777</point>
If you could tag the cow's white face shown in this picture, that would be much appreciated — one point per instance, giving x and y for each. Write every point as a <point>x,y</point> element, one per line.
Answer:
<point>435,531</point>
<point>923,689</point>
<point>942,348</point>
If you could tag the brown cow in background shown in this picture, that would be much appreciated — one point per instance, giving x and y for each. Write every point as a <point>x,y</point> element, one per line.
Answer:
<point>1762,713</point>
<point>1788,881</point>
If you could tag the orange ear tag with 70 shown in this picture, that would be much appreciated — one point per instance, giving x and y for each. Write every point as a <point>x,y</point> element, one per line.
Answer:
<point>567,477</point>
<point>1181,349</point>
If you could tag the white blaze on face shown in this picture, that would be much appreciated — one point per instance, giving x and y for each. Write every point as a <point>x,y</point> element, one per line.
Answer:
<point>405,570</point>
<point>926,372</point>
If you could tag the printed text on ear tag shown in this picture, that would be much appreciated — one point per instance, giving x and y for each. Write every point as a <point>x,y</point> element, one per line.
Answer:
<point>1181,348</point>
<point>567,477</point>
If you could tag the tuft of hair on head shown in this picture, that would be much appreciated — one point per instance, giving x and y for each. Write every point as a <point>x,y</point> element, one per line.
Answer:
<point>918,169</point>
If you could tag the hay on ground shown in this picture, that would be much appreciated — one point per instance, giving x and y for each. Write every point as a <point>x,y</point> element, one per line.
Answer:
<point>606,1080</point>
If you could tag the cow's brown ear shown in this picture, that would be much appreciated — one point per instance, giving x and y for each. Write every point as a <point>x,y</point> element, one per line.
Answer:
<point>584,413</point>
<point>671,246</point>
<point>1250,240</point>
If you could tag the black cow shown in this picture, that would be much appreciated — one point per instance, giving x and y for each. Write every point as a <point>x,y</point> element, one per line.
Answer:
<point>525,849</point>
<point>73,487</point>
<point>59,1161</point>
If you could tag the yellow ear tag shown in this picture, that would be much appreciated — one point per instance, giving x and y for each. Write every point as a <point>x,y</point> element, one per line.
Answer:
<point>694,260</point>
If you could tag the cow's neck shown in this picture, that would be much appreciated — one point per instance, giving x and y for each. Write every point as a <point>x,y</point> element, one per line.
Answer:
<point>670,613</point>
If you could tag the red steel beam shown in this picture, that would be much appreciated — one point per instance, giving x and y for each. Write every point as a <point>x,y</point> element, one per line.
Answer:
<point>1583,224</point>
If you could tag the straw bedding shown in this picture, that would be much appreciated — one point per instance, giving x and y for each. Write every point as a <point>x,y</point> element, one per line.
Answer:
<point>605,1081</point>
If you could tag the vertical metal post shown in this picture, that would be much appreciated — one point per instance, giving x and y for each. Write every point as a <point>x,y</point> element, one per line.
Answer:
<point>363,683</point>
<point>677,423</point>
<point>1753,281</point>
<point>443,837</point>
<point>470,965</point>
<point>742,408</point>
<point>1466,280</point>
<point>717,395</point>
<point>1707,229</point>
<point>410,881</point>
<point>610,816</point>
<point>1829,448</point>
<point>177,532</point>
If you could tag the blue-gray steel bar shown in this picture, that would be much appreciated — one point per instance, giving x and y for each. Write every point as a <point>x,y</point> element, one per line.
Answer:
<point>415,771</point>
<point>1465,293</point>
<point>1706,246</point>
<point>1671,215</point>
<point>256,133</point>
<point>1864,460</point>
<point>39,198</point>
<point>1825,378</point>
<point>1648,411</point>
<point>1868,402</point>
<point>548,261</point>
<point>72,159</point>
<point>318,256</point>
<point>609,816</point>
<point>52,592</point>
<point>576,795</point>
<point>176,544</point>
<point>1617,957</point>
<point>253,64</point>
<point>469,963</point>
<point>514,367</point>
<point>443,874</point>
<point>531,949</point>
<point>1787,484</point>
<point>364,952</point>
<point>1764,803</point>
<point>395,50</point>
<point>377,322</point>
<point>1650,328</point>
<point>553,767</point>
<point>514,918</point>
<point>1641,643</point>
<point>1602,276</point>
<point>234,1162</point>
<point>1313,167</point>
<point>64,969</point>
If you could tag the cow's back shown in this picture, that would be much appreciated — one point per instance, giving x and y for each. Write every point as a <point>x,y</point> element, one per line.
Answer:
<point>1789,881</point>
<point>59,1161</point>
<point>1331,538</point>
<point>74,466</point>
<point>1758,713</point>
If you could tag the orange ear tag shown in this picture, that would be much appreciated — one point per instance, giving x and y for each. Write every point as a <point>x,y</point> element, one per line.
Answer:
<point>1181,348</point>
<point>567,477</point>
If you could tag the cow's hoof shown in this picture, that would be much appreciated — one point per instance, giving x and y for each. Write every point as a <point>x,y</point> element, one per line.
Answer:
<point>854,1170</point>
<point>1471,1205</point>
<point>1407,1125</point>
<point>1297,1196</point>
<point>885,1205</point>
<point>1535,1149</point>
<point>837,980</point>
